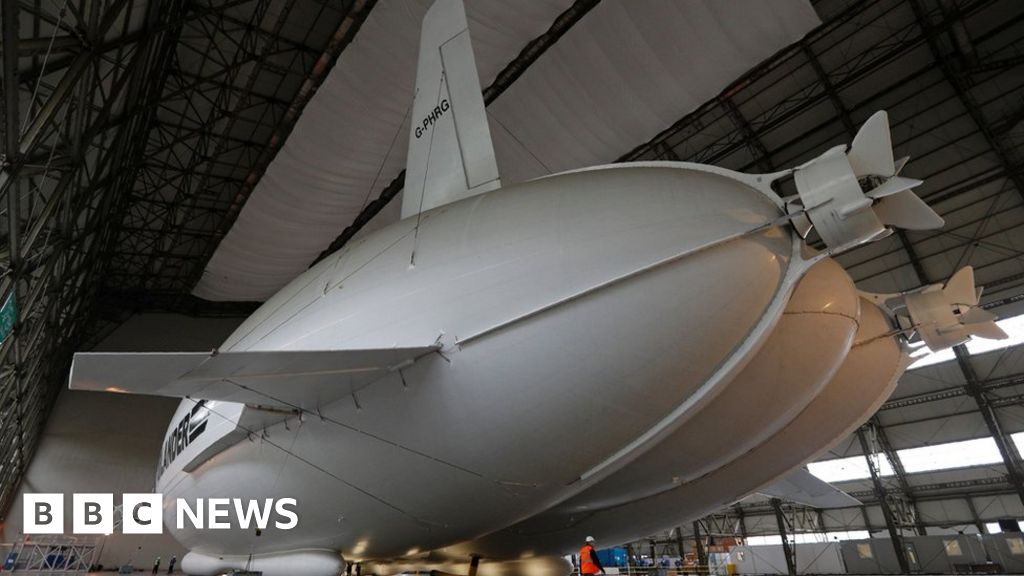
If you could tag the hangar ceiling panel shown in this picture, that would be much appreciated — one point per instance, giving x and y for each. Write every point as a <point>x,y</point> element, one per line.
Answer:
<point>623,73</point>
<point>993,473</point>
<point>999,364</point>
<point>966,424</point>
<point>907,416</point>
<point>998,506</point>
<point>927,379</point>
<point>944,510</point>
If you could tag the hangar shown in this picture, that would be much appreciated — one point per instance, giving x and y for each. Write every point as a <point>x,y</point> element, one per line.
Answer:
<point>169,166</point>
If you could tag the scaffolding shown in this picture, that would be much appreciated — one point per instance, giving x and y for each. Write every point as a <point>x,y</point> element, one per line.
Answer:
<point>55,555</point>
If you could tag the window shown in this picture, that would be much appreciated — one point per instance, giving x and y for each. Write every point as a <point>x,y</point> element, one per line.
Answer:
<point>864,550</point>
<point>952,547</point>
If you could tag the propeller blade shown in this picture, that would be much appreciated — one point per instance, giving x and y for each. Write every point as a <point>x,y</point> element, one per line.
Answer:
<point>871,151</point>
<point>960,288</point>
<point>988,330</point>
<point>905,210</point>
<point>938,317</point>
<point>977,316</point>
<point>900,164</point>
<point>894,185</point>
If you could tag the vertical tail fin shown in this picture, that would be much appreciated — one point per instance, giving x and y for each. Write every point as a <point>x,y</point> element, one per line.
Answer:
<point>450,152</point>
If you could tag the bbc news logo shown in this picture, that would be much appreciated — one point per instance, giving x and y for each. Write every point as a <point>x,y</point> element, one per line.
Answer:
<point>143,514</point>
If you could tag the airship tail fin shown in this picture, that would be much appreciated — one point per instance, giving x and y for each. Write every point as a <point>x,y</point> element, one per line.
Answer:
<point>450,151</point>
<point>952,314</point>
<point>856,195</point>
<point>281,379</point>
<point>802,487</point>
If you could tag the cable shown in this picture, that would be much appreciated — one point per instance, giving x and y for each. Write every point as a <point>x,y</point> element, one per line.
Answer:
<point>319,468</point>
<point>520,142</point>
<point>426,173</point>
<point>380,169</point>
<point>359,431</point>
<point>46,58</point>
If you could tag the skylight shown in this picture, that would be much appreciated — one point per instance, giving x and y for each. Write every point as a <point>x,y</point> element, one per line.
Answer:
<point>808,537</point>
<point>764,540</point>
<point>852,468</point>
<point>1018,441</point>
<point>1013,326</point>
<point>976,452</point>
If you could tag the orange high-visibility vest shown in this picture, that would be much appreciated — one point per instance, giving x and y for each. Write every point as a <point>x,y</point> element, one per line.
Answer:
<point>587,565</point>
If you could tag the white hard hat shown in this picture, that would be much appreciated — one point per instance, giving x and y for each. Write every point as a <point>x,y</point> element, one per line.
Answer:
<point>591,539</point>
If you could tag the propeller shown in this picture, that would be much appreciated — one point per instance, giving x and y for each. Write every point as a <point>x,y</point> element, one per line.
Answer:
<point>949,315</point>
<point>856,195</point>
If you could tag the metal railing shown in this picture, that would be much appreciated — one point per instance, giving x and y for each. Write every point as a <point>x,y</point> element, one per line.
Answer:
<point>52,555</point>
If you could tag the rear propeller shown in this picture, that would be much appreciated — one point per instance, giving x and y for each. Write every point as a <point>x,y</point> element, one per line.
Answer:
<point>856,195</point>
<point>945,316</point>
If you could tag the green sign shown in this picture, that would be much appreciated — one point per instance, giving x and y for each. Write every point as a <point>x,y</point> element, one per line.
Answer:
<point>8,314</point>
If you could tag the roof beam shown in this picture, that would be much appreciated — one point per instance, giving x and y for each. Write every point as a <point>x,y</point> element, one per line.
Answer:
<point>961,85</point>
<point>895,535</point>
<point>12,152</point>
<point>1007,450</point>
<point>357,13</point>
<point>901,474</point>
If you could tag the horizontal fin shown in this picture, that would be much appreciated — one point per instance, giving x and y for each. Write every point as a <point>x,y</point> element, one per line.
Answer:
<point>805,488</point>
<point>285,379</point>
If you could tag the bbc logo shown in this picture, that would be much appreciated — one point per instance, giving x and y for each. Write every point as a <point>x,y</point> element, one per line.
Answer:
<point>93,514</point>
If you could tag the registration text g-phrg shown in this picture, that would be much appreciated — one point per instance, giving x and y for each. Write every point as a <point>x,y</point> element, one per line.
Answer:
<point>143,513</point>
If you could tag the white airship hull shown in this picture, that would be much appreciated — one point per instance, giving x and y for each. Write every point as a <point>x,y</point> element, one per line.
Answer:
<point>866,377</point>
<point>508,369</point>
<point>646,323</point>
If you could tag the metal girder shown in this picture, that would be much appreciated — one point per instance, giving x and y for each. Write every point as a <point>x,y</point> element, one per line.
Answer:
<point>895,534</point>
<point>680,548</point>
<point>952,392</point>
<point>1007,449</point>
<point>950,15</point>
<point>901,474</point>
<point>91,111</point>
<point>702,556</point>
<point>787,549</point>
<point>11,158</point>
<point>234,91</point>
<point>762,158</point>
<point>974,515</point>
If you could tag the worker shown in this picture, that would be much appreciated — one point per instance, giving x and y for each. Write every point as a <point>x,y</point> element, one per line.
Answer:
<point>156,565</point>
<point>170,566</point>
<point>589,562</point>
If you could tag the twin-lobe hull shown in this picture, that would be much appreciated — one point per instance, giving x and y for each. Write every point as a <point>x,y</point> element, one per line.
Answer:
<point>866,377</point>
<point>586,318</point>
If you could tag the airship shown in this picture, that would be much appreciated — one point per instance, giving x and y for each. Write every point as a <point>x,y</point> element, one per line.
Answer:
<point>510,368</point>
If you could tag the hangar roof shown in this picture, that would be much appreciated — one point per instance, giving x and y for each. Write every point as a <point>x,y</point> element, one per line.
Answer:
<point>614,79</point>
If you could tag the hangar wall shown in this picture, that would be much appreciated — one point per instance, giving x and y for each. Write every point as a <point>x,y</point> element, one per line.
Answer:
<point>98,442</point>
